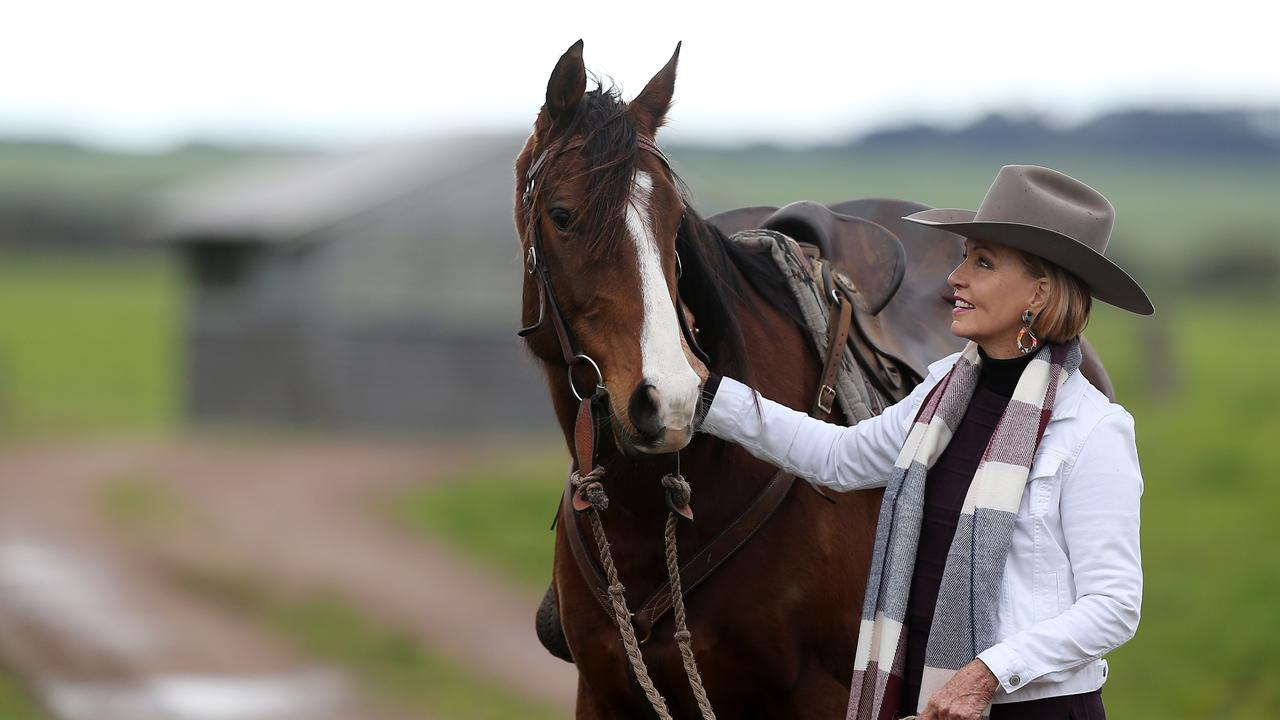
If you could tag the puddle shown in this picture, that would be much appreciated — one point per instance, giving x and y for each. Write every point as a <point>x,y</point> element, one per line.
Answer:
<point>190,697</point>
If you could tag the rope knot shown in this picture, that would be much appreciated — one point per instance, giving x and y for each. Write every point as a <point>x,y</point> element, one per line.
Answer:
<point>678,490</point>
<point>590,489</point>
<point>683,636</point>
<point>617,590</point>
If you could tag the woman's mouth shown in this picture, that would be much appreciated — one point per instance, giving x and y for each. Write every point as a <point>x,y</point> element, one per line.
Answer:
<point>961,307</point>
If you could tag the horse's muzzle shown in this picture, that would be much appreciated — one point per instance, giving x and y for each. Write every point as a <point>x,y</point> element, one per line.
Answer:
<point>654,433</point>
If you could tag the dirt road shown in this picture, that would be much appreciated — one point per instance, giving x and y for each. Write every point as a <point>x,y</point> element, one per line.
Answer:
<point>300,516</point>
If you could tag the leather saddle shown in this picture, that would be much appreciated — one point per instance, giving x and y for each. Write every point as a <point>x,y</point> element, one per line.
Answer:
<point>897,271</point>
<point>910,328</point>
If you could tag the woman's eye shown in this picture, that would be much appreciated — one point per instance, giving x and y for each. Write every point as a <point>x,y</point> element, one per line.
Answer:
<point>983,262</point>
<point>561,218</point>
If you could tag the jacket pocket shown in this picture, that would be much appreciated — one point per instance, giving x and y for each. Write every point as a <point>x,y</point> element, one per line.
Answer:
<point>1042,483</point>
<point>1046,595</point>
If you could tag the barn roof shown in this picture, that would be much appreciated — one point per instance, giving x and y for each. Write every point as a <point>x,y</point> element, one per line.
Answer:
<point>286,200</point>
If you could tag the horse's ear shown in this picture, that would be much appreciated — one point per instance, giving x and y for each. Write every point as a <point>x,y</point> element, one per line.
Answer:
<point>649,108</point>
<point>567,84</point>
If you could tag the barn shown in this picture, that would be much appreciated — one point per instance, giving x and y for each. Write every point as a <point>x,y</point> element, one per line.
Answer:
<point>375,288</point>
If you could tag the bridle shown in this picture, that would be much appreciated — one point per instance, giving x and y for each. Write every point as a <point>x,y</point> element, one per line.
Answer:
<point>585,493</point>
<point>536,265</point>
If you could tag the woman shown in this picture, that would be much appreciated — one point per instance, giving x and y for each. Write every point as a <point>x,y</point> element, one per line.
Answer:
<point>1006,557</point>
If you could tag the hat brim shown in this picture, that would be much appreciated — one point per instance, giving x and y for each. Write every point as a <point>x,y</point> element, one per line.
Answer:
<point>1107,281</point>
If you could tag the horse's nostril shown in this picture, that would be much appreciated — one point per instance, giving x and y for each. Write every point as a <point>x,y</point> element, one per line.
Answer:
<point>643,411</point>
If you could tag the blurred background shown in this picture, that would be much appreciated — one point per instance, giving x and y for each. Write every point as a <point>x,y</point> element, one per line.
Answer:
<point>269,447</point>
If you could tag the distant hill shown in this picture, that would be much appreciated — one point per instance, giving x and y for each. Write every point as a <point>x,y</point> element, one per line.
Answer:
<point>1239,134</point>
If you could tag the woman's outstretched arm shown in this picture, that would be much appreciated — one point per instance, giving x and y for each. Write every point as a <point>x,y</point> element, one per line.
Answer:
<point>834,456</point>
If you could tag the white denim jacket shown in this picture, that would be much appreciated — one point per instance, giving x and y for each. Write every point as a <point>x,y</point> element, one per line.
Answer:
<point>1072,584</point>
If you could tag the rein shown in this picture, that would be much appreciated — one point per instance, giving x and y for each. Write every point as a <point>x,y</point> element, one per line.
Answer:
<point>587,491</point>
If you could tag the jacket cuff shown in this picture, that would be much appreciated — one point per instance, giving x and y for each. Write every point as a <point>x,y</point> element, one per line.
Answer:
<point>730,398</point>
<point>704,401</point>
<point>1003,662</point>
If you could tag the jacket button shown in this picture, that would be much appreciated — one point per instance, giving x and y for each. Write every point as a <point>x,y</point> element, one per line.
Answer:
<point>1014,680</point>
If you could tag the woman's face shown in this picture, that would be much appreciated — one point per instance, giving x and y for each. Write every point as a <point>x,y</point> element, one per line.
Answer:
<point>992,288</point>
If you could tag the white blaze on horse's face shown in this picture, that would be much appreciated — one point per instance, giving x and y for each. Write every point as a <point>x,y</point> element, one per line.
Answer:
<point>665,367</point>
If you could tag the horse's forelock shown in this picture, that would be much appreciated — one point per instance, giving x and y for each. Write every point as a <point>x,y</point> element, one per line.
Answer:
<point>608,153</point>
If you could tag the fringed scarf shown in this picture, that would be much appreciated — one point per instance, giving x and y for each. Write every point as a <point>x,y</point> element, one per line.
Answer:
<point>964,621</point>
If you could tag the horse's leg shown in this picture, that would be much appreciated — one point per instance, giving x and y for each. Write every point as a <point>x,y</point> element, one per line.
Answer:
<point>586,707</point>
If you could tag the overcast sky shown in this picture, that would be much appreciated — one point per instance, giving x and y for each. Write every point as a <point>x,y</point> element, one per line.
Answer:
<point>143,73</point>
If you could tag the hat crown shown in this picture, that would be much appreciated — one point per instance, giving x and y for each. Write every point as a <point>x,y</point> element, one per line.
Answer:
<point>1045,198</point>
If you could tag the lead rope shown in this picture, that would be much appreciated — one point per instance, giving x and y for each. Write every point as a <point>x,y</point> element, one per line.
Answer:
<point>678,493</point>
<point>591,488</point>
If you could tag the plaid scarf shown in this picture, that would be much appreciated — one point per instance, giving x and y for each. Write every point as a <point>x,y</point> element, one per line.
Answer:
<point>964,621</point>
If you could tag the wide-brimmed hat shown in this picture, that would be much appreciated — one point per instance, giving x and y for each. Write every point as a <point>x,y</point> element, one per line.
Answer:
<point>1053,216</point>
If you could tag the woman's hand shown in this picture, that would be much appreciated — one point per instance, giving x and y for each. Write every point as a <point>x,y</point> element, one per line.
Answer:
<point>965,696</point>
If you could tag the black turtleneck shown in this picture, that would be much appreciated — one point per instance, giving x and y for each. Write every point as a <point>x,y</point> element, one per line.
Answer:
<point>1001,376</point>
<point>945,488</point>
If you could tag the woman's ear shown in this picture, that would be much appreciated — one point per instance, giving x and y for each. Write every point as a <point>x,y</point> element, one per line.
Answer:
<point>1040,295</point>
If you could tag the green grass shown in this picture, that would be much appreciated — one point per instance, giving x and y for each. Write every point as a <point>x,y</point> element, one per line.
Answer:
<point>16,702</point>
<point>390,663</point>
<point>1209,453</point>
<point>1209,448</point>
<point>141,504</point>
<point>499,513</point>
<point>88,342</point>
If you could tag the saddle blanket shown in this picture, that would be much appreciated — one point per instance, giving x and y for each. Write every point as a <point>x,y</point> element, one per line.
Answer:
<point>858,398</point>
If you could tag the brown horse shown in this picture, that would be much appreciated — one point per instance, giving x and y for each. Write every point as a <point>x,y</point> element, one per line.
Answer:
<point>774,629</point>
<point>774,633</point>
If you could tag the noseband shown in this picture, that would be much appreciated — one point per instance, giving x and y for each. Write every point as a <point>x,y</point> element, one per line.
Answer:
<point>536,265</point>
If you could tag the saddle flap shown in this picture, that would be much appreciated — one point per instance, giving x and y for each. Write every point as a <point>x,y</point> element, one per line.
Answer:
<point>915,325</point>
<point>867,253</point>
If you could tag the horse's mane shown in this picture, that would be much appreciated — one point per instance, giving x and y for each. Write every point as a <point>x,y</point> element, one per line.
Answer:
<point>713,291</point>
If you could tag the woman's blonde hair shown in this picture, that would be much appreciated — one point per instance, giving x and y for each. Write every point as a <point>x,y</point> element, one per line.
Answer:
<point>1066,311</point>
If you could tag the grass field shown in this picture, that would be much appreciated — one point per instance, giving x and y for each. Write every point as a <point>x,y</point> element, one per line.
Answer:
<point>88,343</point>
<point>16,703</point>
<point>75,179</point>
<point>1206,645</point>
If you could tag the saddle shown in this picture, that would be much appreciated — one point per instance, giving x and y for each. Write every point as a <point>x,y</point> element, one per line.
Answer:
<point>913,325</point>
<point>894,271</point>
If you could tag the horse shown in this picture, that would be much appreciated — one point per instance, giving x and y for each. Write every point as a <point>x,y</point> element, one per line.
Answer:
<point>630,289</point>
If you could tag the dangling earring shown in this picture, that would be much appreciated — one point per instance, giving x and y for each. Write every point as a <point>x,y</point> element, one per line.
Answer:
<point>1027,332</point>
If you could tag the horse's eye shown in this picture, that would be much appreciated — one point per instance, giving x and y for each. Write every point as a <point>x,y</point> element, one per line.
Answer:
<point>562,218</point>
